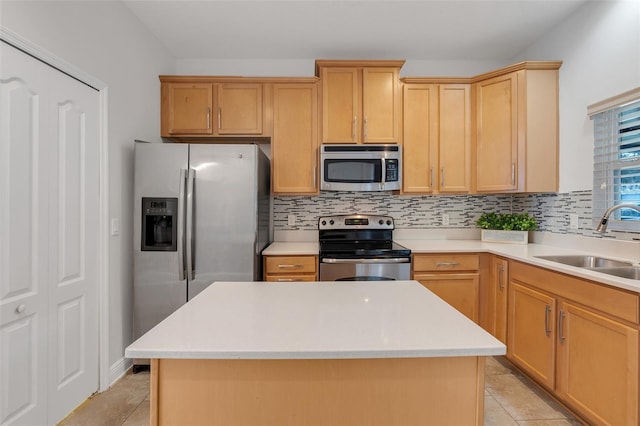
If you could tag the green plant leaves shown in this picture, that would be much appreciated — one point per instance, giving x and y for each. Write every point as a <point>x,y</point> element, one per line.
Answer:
<point>507,221</point>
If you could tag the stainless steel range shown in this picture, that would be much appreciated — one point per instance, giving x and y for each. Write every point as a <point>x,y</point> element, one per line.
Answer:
<point>361,248</point>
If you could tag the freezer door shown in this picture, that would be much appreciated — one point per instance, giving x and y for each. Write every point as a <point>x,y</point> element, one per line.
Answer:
<point>224,224</point>
<point>158,289</point>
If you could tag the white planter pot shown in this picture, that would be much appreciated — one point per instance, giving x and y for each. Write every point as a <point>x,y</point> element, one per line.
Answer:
<point>509,237</point>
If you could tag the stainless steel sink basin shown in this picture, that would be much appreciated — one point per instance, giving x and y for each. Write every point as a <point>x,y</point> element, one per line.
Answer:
<point>631,272</point>
<point>586,261</point>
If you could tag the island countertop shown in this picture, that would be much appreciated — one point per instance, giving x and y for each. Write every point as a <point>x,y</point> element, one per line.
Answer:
<point>320,320</point>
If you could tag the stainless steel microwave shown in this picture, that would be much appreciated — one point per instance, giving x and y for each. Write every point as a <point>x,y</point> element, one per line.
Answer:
<point>366,167</point>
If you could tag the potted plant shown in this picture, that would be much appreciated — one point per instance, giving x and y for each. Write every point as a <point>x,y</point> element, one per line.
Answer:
<point>506,227</point>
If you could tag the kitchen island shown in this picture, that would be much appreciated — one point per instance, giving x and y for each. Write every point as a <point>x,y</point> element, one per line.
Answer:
<point>324,353</point>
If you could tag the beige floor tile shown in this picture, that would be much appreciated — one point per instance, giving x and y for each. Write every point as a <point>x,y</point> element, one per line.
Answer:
<point>499,365</point>
<point>495,415</point>
<point>561,422</point>
<point>113,407</point>
<point>522,400</point>
<point>140,417</point>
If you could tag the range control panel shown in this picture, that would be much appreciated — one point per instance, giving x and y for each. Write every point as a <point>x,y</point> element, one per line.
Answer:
<point>355,221</point>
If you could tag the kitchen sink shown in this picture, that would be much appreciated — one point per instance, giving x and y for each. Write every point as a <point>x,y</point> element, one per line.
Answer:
<point>618,268</point>
<point>631,272</point>
<point>586,261</point>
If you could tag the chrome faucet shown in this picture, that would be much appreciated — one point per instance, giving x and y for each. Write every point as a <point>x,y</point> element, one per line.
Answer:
<point>602,227</point>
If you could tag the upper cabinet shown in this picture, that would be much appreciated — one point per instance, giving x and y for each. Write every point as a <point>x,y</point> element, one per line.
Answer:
<point>361,101</point>
<point>294,145</point>
<point>436,137</point>
<point>516,128</point>
<point>201,106</point>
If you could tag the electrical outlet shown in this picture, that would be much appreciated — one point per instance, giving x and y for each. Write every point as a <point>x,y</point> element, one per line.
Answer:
<point>573,221</point>
<point>291,219</point>
<point>445,219</point>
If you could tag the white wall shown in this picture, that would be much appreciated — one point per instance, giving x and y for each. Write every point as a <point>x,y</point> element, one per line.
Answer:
<point>306,67</point>
<point>105,40</point>
<point>600,49</point>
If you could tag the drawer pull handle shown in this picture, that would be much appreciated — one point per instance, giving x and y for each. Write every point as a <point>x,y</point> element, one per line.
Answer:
<point>285,279</point>
<point>560,324</point>
<point>290,266</point>
<point>547,311</point>
<point>20,309</point>
<point>447,263</point>
<point>501,277</point>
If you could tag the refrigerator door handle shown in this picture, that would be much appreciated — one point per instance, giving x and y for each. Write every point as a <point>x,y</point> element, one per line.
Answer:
<point>190,194</point>
<point>181,217</point>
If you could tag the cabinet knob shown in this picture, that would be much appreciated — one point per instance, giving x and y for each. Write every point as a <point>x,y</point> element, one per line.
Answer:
<point>20,309</point>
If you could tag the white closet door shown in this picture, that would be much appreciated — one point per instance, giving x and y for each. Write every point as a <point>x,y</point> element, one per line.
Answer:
<point>73,244</point>
<point>50,176</point>
<point>24,236</point>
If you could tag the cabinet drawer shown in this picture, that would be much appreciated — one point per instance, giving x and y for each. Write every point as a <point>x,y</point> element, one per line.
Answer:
<point>291,278</point>
<point>290,264</point>
<point>446,262</point>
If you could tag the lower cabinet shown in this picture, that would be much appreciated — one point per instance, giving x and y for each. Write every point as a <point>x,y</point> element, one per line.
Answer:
<point>495,305</point>
<point>291,268</point>
<point>452,277</point>
<point>578,339</point>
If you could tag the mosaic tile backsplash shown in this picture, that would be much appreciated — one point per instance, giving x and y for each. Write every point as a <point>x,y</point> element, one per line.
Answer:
<point>551,210</point>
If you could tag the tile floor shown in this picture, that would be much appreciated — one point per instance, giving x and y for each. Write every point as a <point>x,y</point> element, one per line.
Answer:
<point>510,399</point>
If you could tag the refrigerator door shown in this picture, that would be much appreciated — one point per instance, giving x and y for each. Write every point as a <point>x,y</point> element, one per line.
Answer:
<point>224,223</point>
<point>159,289</point>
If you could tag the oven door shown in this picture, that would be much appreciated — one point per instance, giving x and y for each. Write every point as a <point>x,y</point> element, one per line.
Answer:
<point>375,269</point>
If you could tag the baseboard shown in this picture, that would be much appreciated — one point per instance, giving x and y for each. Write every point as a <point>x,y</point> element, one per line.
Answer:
<point>119,369</point>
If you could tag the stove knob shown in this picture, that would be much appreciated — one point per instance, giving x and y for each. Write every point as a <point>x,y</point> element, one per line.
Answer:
<point>331,222</point>
<point>381,222</point>
<point>389,222</point>
<point>324,222</point>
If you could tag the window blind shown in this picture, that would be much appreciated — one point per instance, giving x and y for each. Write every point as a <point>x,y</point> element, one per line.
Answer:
<point>616,170</point>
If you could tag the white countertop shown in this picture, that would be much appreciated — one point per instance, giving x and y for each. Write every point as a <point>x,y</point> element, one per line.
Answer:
<point>321,320</point>
<point>290,248</point>
<point>525,253</point>
<point>522,252</point>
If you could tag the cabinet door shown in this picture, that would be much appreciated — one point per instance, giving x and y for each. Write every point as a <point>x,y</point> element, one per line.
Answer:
<point>380,105</point>
<point>459,290</point>
<point>531,332</point>
<point>497,133</point>
<point>497,303</point>
<point>455,138</point>
<point>340,105</point>
<point>295,139</point>
<point>239,109</point>
<point>186,109</point>
<point>597,366</point>
<point>420,137</point>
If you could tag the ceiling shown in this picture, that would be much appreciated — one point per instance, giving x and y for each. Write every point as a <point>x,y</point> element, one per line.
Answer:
<point>351,29</point>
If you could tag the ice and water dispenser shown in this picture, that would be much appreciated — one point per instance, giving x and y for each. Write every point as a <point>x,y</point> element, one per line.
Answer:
<point>159,224</point>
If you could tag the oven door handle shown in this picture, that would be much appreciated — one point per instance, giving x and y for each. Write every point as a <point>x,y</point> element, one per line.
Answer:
<point>378,260</point>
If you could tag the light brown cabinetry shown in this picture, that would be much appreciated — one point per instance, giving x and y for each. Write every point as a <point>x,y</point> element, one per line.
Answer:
<point>452,277</point>
<point>291,268</point>
<point>578,339</point>
<point>294,145</point>
<point>204,107</point>
<point>436,137</point>
<point>516,128</point>
<point>498,279</point>
<point>361,101</point>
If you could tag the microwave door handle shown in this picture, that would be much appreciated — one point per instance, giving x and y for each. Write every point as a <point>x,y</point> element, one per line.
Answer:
<point>384,173</point>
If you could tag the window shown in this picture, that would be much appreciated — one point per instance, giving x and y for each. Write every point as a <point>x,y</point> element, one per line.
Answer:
<point>616,169</point>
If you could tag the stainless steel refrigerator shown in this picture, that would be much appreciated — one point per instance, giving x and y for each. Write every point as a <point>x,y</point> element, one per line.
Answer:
<point>201,214</point>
